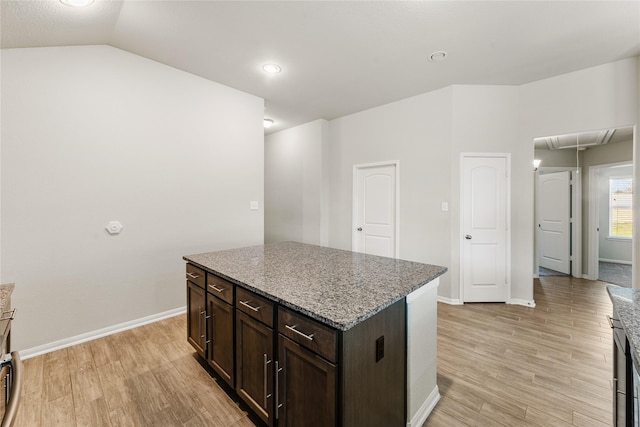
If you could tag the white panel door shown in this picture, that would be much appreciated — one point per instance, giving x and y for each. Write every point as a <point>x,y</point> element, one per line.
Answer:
<point>375,210</point>
<point>554,221</point>
<point>484,229</point>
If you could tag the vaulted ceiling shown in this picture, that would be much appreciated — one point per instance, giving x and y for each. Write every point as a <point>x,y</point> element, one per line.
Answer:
<point>340,57</point>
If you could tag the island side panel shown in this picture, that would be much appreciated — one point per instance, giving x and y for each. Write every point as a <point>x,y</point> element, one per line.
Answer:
<point>422,343</point>
<point>373,392</point>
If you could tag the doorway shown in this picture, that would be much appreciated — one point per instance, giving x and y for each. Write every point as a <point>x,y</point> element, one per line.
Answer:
<point>582,153</point>
<point>376,209</point>
<point>610,227</point>
<point>558,214</point>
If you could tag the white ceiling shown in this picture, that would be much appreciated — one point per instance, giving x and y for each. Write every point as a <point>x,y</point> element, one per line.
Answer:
<point>341,57</point>
<point>584,140</point>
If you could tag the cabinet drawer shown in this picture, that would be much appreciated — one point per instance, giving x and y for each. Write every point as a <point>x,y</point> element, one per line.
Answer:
<point>308,333</point>
<point>220,288</point>
<point>256,306</point>
<point>196,275</point>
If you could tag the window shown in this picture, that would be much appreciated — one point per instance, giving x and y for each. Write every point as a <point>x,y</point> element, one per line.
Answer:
<point>620,211</point>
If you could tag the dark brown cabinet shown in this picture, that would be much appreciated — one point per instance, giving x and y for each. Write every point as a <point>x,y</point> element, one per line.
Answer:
<point>196,317</point>
<point>623,390</point>
<point>255,353</point>
<point>220,355</point>
<point>210,320</point>
<point>307,387</point>
<point>292,370</point>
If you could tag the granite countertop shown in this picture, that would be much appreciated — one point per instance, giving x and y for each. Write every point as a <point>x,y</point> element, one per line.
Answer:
<point>5,296</point>
<point>336,287</point>
<point>626,302</point>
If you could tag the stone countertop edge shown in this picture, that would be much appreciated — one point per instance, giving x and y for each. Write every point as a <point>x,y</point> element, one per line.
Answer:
<point>626,302</point>
<point>436,272</point>
<point>5,295</point>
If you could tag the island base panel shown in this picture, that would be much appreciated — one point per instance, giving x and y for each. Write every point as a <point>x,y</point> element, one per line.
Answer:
<point>374,388</point>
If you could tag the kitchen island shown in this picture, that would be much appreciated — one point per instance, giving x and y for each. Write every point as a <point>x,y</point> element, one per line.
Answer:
<point>625,323</point>
<point>308,335</point>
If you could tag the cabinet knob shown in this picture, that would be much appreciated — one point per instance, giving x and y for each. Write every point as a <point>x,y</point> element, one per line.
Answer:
<point>359,228</point>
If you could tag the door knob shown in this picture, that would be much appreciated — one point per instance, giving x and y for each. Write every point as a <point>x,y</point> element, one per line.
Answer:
<point>359,228</point>
<point>467,236</point>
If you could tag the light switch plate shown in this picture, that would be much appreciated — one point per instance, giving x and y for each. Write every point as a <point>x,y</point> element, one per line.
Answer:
<point>254,205</point>
<point>445,206</point>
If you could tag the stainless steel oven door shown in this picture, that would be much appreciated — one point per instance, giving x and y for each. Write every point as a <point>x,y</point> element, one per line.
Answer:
<point>11,371</point>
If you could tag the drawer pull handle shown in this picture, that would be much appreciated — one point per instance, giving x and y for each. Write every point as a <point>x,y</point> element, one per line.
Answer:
<point>611,320</point>
<point>193,276</point>
<point>278,404</point>
<point>11,316</point>
<point>293,328</point>
<point>246,304</point>
<point>215,288</point>
<point>266,395</point>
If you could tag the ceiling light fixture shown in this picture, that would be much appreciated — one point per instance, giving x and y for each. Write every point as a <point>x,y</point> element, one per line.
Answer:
<point>268,123</point>
<point>76,3</point>
<point>438,56</point>
<point>271,68</point>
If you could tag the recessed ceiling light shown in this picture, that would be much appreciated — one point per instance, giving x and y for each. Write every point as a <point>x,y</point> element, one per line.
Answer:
<point>268,123</point>
<point>76,3</point>
<point>438,56</point>
<point>271,68</point>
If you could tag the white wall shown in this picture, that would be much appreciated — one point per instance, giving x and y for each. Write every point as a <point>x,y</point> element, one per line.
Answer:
<point>611,249</point>
<point>296,185</point>
<point>427,133</point>
<point>556,158</point>
<point>635,273</point>
<point>485,119</point>
<point>596,98</point>
<point>93,134</point>
<point>416,132</point>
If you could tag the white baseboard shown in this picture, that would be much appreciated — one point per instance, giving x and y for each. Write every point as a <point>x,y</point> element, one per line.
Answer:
<point>450,301</point>
<point>78,339</point>
<point>536,276</point>
<point>615,261</point>
<point>423,412</point>
<point>528,303</point>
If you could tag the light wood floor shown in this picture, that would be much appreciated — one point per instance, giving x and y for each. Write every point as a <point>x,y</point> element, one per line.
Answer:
<point>498,365</point>
<point>507,365</point>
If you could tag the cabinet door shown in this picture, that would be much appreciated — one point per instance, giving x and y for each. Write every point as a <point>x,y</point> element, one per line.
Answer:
<point>254,363</point>
<point>196,317</point>
<point>221,348</point>
<point>306,387</point>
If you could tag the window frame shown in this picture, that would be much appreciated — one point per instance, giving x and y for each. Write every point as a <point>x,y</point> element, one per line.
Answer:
<point>610,208</point>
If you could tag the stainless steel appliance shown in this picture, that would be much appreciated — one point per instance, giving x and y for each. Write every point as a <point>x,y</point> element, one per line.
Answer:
<point>10,373</point>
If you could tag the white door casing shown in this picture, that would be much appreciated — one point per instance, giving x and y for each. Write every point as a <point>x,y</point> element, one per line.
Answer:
<point>594,219</point>
<point>375,209</point>
<point>485,207</point>
<point>554,215</point>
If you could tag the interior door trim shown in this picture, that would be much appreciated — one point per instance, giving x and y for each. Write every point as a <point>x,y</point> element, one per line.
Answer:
<point>594,219</point>
<point>576,219</point>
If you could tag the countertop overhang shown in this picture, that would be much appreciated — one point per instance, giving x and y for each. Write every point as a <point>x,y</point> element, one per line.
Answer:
<point>336,287</point>
<point>626,302</point>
